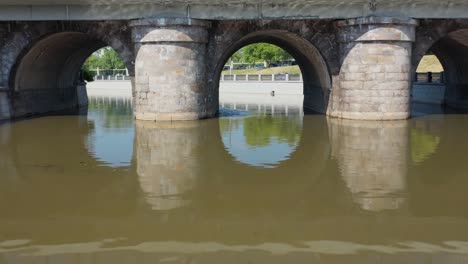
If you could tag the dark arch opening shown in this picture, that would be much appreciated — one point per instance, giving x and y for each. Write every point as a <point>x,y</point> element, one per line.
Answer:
<point>315,72</point>
<point>451,51</point>
<point>47,75</point>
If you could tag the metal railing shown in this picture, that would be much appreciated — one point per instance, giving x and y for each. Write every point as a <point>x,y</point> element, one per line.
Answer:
<point>261,78</point>
<point>111,78</point>
<point>110,74</point>
<point>429,77</point>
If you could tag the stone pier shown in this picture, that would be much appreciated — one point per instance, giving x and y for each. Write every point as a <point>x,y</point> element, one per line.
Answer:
<point>353,68</point>
<point>170,78</point>
<point>375,78</point>
<point>4,105</point>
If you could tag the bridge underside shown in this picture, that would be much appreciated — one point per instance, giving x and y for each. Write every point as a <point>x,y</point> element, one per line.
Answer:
<point>354,69</point>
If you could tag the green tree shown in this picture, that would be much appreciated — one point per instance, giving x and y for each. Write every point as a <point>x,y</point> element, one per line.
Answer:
<point>111,60</point>
<point>92,62</point>
<point>261,52</point>
<point>105,58</point>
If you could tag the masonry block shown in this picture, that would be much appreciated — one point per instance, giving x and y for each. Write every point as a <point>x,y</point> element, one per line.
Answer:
<point>170,69</point>
<point>376,56</point>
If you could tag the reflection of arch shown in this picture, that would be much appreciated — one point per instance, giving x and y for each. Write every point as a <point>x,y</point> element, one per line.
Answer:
<point>261,141</point>
<point>316,76</point>
<point>70,177</point>
<point>112,121</point>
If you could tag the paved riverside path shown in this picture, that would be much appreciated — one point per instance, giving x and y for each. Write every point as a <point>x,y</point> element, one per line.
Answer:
<point>227,90</point>
<point>109,89</point>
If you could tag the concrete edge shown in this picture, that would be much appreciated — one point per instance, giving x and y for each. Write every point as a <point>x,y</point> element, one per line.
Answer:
<point>377,20</point>
<point>169,22</point>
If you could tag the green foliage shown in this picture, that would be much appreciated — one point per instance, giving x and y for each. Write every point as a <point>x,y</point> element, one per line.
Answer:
<point>275,70</point>
<point>260,52</point>
<point>105,58</point>
<point>87,75</point>
<point>92,62</point>
<point>259,131</point>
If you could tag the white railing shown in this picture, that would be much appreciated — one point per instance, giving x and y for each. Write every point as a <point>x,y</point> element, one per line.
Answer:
<point>261,78</point>
<point>110,74</point>
<point>429,77</point>
<point>111,78</point>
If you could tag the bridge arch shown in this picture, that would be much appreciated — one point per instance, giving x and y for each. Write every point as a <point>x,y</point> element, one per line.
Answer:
<point>315,71</point>
<point>448,41</point>
<point>42,69</point>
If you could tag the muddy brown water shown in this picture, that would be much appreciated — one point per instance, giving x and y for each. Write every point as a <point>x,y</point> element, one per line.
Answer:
<point>247,187</point>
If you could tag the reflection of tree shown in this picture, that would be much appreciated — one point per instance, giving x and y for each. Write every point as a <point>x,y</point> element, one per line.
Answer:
<point>260,130</point>
<point>116,113</point>
<point>229,124</point>
<point>423,144</point>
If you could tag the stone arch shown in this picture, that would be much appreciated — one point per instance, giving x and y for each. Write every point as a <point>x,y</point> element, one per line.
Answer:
<point>448,41</point>
<point>47,56</point>
<point>316,73</point>
<point>53,61</point>
<point>226,35</point>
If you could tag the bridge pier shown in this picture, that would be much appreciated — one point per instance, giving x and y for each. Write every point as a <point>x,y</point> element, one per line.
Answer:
<point>4,105</point>
<point>170,65</point>
<point>360,69</point>
<point>374,81</point>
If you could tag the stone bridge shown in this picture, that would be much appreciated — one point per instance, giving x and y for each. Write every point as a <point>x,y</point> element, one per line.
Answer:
<point>357,58</point>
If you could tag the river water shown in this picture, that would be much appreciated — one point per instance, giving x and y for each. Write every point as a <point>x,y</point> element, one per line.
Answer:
<point>260,184</point>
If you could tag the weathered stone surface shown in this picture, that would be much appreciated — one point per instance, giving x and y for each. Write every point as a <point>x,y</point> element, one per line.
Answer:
<point>40,61</point>
<point>448,40</point>
<point>359,68</point>
<point>4,106</point>
<point>376,56</point>
<point>312,42</point>
<point>82,95</point>
<point>170,69</point>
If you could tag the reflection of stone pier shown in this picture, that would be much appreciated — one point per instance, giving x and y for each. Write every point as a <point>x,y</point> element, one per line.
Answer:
<point>166,163</point>
<point>372,159</point>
